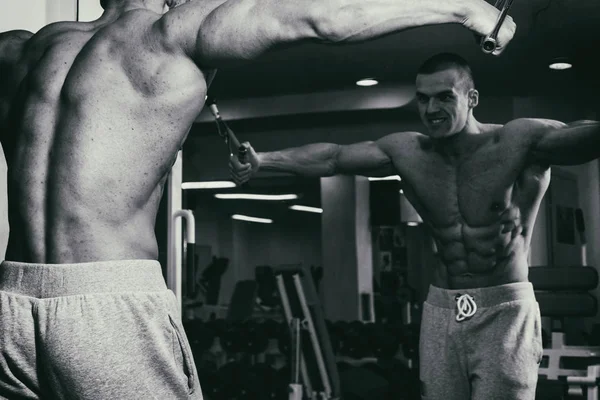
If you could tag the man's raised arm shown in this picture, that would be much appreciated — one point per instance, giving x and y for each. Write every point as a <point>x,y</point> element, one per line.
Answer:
<point>566,144</point>
<point>216,32</point>
<point>322,159</point>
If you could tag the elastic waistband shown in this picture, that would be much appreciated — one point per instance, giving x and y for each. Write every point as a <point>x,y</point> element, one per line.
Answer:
<point>55,280</point>
<point>483,297</point>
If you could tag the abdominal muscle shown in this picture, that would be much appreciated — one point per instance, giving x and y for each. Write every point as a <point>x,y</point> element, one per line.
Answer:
<point>473,263</point>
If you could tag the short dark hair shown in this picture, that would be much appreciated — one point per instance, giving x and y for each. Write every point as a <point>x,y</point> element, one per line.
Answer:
<point>443,61</point>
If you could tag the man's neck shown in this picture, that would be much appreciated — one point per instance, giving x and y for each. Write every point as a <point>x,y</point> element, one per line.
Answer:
<point>463,143</point>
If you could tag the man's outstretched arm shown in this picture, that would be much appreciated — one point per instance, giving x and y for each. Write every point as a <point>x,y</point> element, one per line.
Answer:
<point>322,159</point>
<point>215,32</point>
<point>566,144</point>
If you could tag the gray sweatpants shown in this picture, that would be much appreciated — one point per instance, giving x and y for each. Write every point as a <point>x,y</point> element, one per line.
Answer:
<point>97,331</point>
<point>480,344</point>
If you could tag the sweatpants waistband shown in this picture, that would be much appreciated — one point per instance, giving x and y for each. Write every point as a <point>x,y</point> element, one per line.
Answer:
<point>55,280</point>
<point>484,297</point>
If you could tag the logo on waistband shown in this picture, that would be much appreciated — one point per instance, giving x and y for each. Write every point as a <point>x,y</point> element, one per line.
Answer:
<point>465,306</point>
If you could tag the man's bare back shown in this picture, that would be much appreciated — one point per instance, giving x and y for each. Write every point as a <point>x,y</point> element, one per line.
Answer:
<point>94,113</point>
<point>480,203</point>
<point>93,129</point>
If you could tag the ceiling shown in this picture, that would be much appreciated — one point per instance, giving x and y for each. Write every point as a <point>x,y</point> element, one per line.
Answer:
<point>545,29</point>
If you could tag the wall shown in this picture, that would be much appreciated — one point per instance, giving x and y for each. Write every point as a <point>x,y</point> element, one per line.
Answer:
<point>24,14</point>
<point>295,239</point>
<point>89,10</point>
<point>32,15</point>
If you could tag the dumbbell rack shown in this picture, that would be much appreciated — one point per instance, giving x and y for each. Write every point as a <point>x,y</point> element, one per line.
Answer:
<point>575,379</point>
<point>311,374</point>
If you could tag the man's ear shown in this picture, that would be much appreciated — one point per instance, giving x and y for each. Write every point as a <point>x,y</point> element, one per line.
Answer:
<point>473,98</point>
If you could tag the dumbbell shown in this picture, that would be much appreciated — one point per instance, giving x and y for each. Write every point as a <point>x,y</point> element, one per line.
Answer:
<point>253,338</point>
<point>218,326</point>
<point>404,382</point>
<point>337,330</point>
<point>200,336</point>
<point>410,341</point>
<point>385,342</point>
<point>260,383</point>
<point>270,327</point>
<point>231,339</point>
<point>333,337</point>
<point>229,382</point>
<point>282,382</point>
<point>357,340</point>
<point>283,338</point>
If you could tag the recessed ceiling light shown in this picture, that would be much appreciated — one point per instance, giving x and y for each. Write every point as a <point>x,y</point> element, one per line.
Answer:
<point>367,82</point>
<point>560,64</point>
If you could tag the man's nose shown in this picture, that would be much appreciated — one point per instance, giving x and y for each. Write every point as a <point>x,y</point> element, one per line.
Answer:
<point>432,106</point>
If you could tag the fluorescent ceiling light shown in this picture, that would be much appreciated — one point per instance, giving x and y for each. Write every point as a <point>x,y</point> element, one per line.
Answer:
<point>246,196</point>
<point>247,218</point>
<point>306,208</point>
<point>385,178</point>
<point>367,82</point>
<point>208,185</point>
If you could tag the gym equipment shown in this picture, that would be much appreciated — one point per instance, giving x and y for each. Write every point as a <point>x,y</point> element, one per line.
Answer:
<point>211,279</point>
<point>384,341</point>
<point>225,132</point>
<point>270,328</point>
<point>175,244</point>
<point>314,373</point>
<point>488,43</point>
<point>175,253</point>
<point>231,340</point>
<point>577,381</point>
<point>200,335</point>
<point>254,339</point>
<point>357,341</point>
<point>363,382</point>
<point>261,383</point>
<point>267,287</point>
<point>563,292</point>
<point>242,301</point>
<point>580,225</point>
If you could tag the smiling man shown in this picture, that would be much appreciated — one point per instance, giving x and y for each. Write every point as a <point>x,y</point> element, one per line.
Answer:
<point>478,188</point>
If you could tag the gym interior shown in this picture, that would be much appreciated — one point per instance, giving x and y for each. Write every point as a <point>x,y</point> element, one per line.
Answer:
<point>346,257</point>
